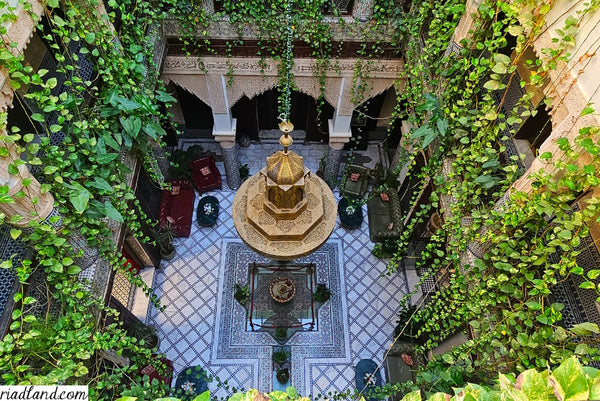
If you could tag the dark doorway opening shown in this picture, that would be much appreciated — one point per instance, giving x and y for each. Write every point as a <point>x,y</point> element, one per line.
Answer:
<point>364,122</point>
<point>261,113</point>
<point>197,114</point>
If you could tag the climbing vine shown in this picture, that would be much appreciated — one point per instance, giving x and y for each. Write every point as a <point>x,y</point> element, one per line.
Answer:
<point>528,243</point>
<point>82,128</point>
<point>495,263</point>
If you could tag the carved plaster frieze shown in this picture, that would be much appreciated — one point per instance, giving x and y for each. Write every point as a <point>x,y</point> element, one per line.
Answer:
<point>249,86</point>
<point>195,84</point>
<point>209,87</point>
<point>252,66</point>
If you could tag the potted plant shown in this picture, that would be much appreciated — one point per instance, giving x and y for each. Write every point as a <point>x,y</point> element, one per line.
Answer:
<point>283,375</point>
<point>164,239</point>
<point>145,333</point>
<point>322,294</point>
<point>280,357</point>
<point>244,172</point>
<point>280,333</point>
<point>322,163</point>
<point>241,294</point>
<point>181,159</point>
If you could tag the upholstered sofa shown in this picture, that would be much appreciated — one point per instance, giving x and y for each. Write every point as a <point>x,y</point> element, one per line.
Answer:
<point>178,204</point>
<point>381,213</point>
<point>401,364</point>
<point>205,174</point>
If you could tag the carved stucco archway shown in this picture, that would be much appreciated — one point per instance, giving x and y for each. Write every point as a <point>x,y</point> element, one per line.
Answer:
<point>209,79</point>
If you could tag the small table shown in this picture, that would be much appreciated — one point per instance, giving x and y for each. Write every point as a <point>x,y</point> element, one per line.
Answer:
<point>208,211</point>
<point>192,381</point>
<point>363,368</point>
<point>353,220</point>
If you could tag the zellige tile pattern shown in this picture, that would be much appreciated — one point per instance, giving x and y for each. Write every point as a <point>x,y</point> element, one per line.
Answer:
<point>202,324</point>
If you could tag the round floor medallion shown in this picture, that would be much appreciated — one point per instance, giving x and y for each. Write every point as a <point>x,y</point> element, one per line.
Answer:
<point>282,289</point>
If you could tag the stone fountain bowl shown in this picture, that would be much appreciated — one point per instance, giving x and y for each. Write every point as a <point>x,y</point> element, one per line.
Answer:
<point>282,289</point>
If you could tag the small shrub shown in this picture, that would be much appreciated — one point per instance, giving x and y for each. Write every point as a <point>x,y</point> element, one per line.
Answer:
<point>283,375</point>
<point>322,294</point>
<point>411,332</point>
<point>280,357</point>
<point>280,333</point>
<point>242,294</point>
<point>377,250</point>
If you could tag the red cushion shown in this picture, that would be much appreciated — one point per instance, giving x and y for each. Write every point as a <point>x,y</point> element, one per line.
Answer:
<point>179,208</point>
<point>152,373</point>
<point>407,359</point>
<point>354,177</point>
<point>130,264</point>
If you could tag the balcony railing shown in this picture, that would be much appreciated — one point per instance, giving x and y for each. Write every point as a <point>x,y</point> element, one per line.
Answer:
<point>343,7</point>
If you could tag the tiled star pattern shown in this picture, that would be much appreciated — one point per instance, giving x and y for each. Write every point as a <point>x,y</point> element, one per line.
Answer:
<point>189,288</point>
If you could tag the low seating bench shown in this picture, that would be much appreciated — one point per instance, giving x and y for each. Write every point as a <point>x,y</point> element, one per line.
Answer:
<point>178,204</point>
<point>381,213</point>
<point>396,368</point>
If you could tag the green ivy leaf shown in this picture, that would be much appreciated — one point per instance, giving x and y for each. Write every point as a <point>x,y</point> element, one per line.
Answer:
<point>414,396</point>
<point>593,382</point>
<point>165,97</point>
<point>101,184</point>
<point>106,158</point>
<point>90,37</point>
<point>15,233</point>
<point>474,323</point>
<point>112,212</point>
<point>535,385</point>
<point>79,196</point>
<point>291,391</point>
<point>587,285</point>
<point>569,381</point>
<point>205,396</point>
<point>585,329</point>
<point>593,274</point>
<point>56,267</point>
<point>587,110</point>
<point>515,30</point>
<point>493,85</point>
<point>534,305</point>
<point>50,169</point>
<point>442,125</point>
<point>127,105</point>
<point>507,288</point>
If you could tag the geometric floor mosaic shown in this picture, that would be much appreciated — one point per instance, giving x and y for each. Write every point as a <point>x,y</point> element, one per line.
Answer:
<point>329,341</point>
<point>200,324</point>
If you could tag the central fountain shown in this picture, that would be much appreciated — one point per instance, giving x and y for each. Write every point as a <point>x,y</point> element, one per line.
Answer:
<point>284,211</point>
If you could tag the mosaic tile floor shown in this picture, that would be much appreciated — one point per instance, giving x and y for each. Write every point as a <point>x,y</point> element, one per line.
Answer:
<point>203,325</point>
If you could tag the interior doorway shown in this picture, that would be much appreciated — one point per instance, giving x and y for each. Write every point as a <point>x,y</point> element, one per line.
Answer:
<point>260,114</point>
<point>197,115</point>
